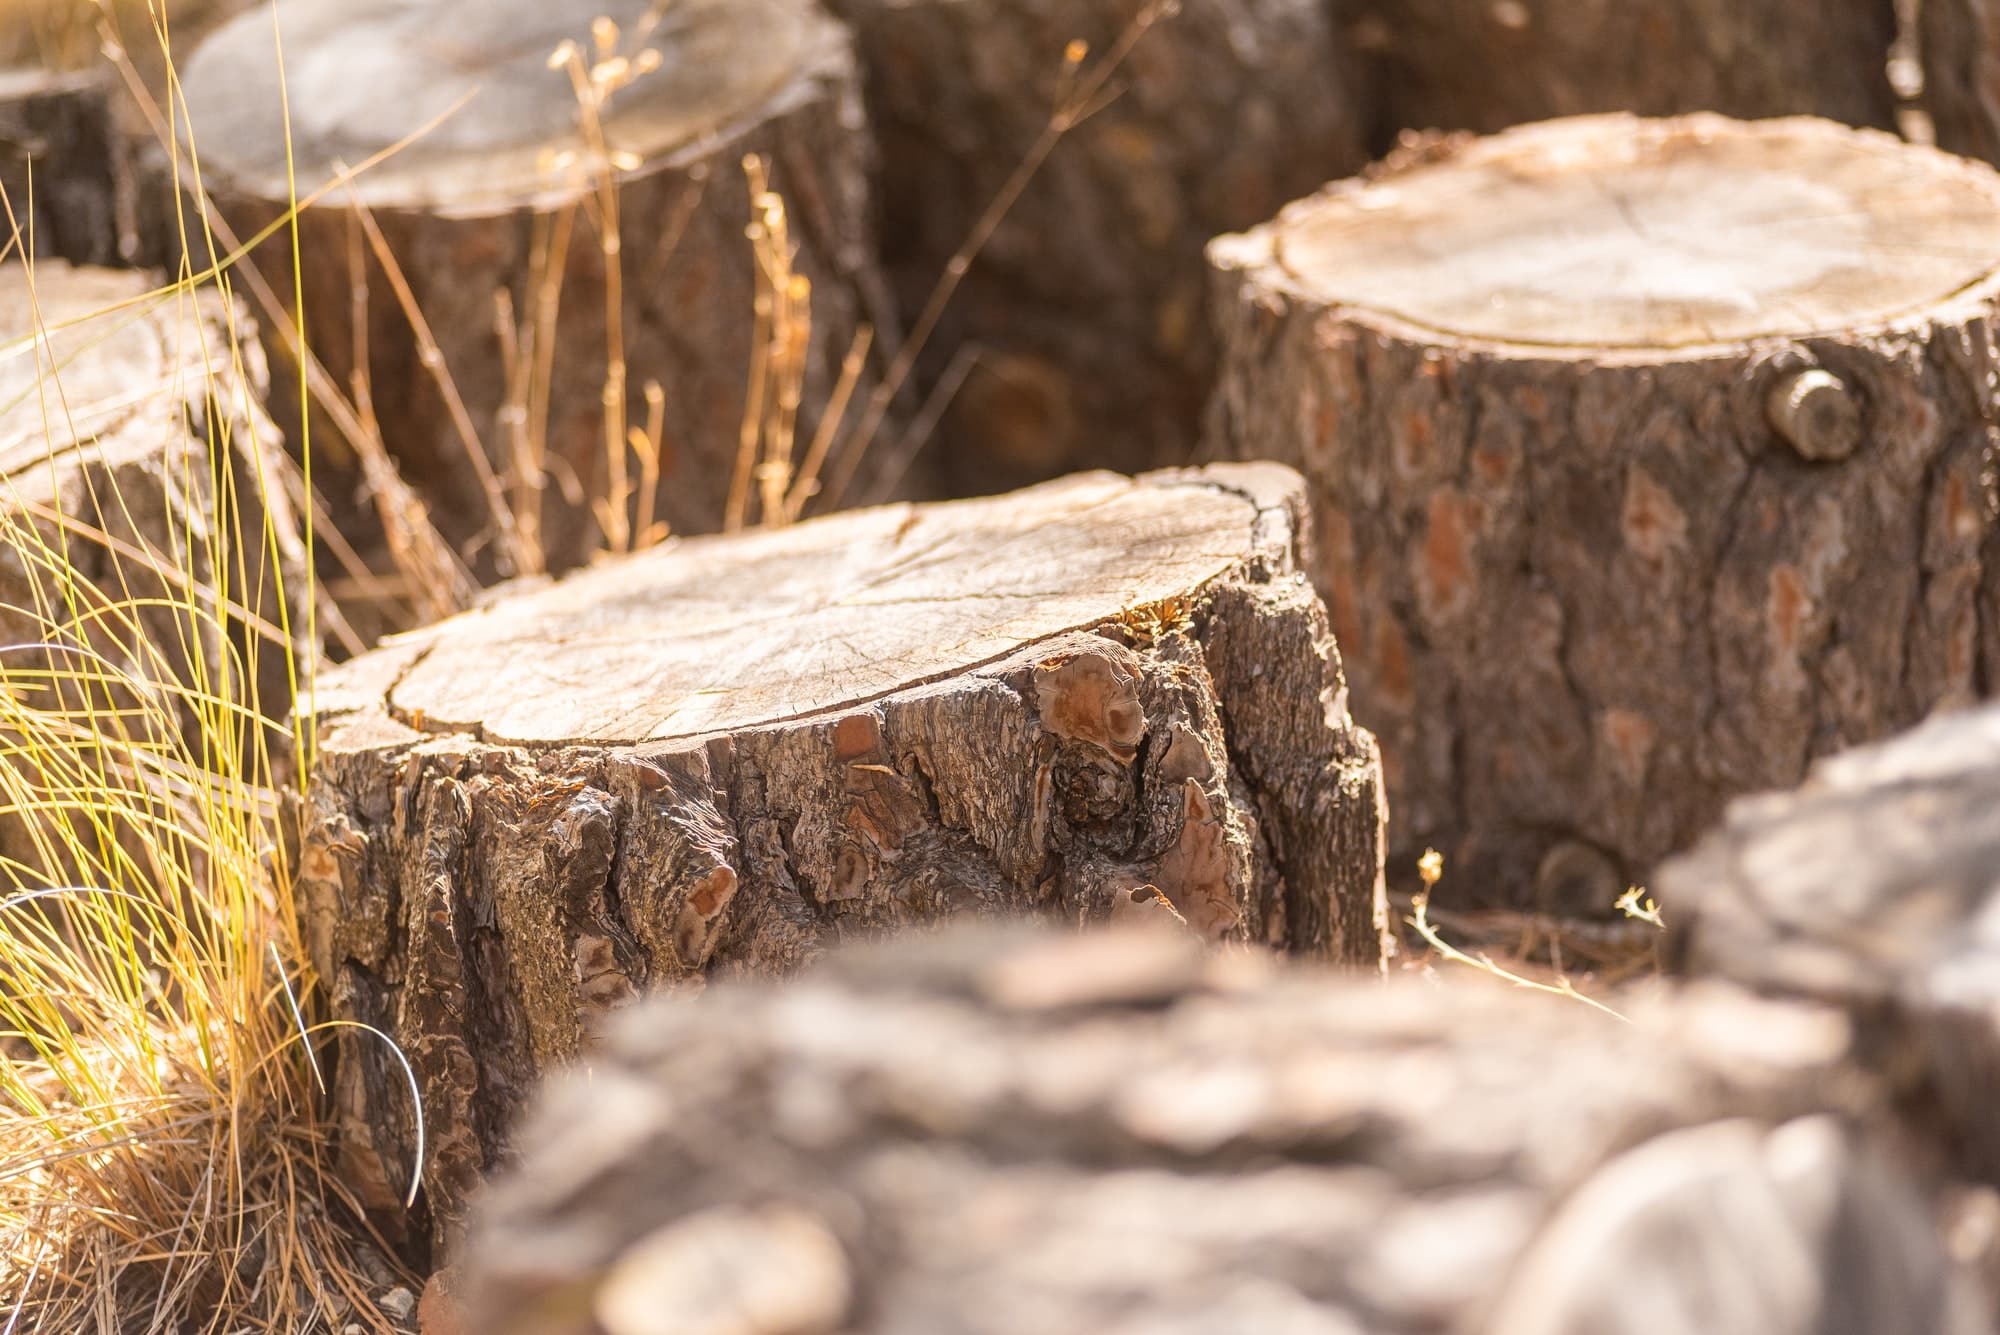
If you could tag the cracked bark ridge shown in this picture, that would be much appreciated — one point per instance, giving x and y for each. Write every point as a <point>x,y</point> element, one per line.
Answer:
<point>136,455</point>
<point>1872,886</point>
<point>1100,698</point>
<point>60,136</point>
<point>980,1133</point>
<point>1657,472</point>
<point>1088,306</point>
<point>1485,65</point>
<point>475,211</point>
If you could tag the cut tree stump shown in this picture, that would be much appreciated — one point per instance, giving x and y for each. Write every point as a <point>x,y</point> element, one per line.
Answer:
<point>973,1135</point>
<point>62,148</point>
<point>136,456</point>
<point>1485,65</point>
<point>499,200</point>
<point>1875,886</point>
<point>1649,459</point>
<point>1087,308</point>
<point>1097,698</point>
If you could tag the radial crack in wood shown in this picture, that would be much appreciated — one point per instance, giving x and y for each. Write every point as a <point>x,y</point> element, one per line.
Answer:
<point>977,1134</point>
<point>1649,459</point>
<point>1101,698</point>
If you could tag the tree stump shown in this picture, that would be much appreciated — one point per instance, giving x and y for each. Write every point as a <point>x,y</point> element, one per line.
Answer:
<point>980,1136</point>
<point>1655,473</point>
<point>1485,65</point>
<point>144,525</point>
<point>500,204</point>
<point>1087,308</point>
<point>1098,698</point>
<point>1873,887</point>
<point>61,148</point>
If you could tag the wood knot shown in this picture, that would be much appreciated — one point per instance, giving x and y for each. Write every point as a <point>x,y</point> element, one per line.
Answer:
<point>1089,697</point>
<point>1814,412</point>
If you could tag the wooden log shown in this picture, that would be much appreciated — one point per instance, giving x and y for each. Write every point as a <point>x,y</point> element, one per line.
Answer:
<point>1872,886</point>
<point>1485,65</point>
<point>974,1135</point>
<point>66,168</point>
<point>1659,471</point>
<point>1087,307</point>
<point>501,199</point>
<point>1102,697</point>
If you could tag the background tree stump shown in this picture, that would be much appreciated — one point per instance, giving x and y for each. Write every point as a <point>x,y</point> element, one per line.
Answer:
<point>1485,65</point>
<point>60,130</point>
<point>1650,459</point>
<point>976,1136</point>
<point>1098,698</point>
<point>1874,886</point>
<point>1087,307</point>
<point>137,456</point>
<point>111,399</point>
<point>473,211</point>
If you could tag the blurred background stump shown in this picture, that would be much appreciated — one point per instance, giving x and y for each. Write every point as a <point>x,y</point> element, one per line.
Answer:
<point>1485,65</point>
<point>1875,886</point>
<point>509,239</point>
<point>1649,460</point>
<point>145,511</point>
<point>973,1135</point>
<point>66,167</point>
<point>1080,330</point>
<point>1099,698</point>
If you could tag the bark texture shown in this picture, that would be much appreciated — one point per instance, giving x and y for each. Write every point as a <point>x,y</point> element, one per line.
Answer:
<point>1099,698</point>
<point>1484,65</point>
<point>62,148</point>
<point>1624,514</point>
<point>973,1135</point>
<point>1873,887</point>
<point>1087,307</point>
<point>475,211</point>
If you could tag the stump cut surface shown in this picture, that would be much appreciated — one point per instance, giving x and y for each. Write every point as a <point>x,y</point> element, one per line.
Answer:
<point>1606,232</point>
<point>464,94</point>
<point>731,633</point>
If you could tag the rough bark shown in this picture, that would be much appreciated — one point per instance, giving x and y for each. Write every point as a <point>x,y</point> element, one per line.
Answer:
<point>1626,514</point>
<point>1087,308</point>
<point>471,211</point>
<point>975,1134</point>
<point>62,148</point>
<point>1873,887</point>
<point>1484,65</point>
<point>1098,698</point>
<point>135,457</point>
